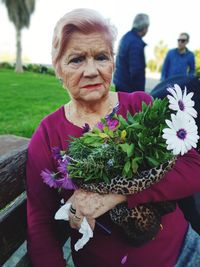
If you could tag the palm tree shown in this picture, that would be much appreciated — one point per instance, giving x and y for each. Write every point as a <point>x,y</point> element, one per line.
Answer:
<point>19,12</point>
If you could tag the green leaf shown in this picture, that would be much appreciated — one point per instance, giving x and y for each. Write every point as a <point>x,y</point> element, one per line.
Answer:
<point>127,167</point>
<point>130,150</point>
<point>123,122</point>
<point>130,118</point>
<point>111,133</point>
<point>105,178</point>
<point>135,125</point>
<point>153,162</point>
<point>134,165</point>
<point>124,147</point>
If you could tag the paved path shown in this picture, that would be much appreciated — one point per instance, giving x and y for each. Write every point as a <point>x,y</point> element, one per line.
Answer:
<point>151,83</point>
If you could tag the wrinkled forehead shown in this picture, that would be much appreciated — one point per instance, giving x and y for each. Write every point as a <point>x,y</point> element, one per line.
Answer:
<point>95,40</point>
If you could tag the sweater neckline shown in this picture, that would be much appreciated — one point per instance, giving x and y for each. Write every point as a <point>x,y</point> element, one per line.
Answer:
<point>78,127</point>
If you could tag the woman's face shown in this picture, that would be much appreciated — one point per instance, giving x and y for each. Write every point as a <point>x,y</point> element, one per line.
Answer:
<point>87,66</point>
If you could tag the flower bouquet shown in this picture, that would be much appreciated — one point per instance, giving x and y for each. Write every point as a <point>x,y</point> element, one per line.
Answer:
<point>126,156</point>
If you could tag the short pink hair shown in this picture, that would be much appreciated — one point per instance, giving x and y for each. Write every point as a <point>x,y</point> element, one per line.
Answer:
<point>79,20</point>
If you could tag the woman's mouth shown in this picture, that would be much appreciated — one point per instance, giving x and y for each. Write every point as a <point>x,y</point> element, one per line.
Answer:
<point>92,86</point>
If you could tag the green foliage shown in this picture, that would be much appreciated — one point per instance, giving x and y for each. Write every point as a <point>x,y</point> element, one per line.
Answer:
<point>50,71</point>
<point>91,162</point>
<point>151,65</point>
<point>33,68</point>
<point>6,65</point>
<point>39,69</point>
<point>197,62</point>
<point>19,12</point>
<point>160,51</point>
<point>134,144</point>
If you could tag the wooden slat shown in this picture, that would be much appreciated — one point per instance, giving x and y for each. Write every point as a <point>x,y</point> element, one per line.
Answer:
<point>24,262</point>
<point>12,175</point>
<point>12,227</point>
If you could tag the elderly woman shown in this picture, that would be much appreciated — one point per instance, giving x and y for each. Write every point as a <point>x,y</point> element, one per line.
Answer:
<point>82,55</point>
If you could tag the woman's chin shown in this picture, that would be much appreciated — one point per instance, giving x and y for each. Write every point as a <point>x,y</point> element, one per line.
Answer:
<point>95,95</point>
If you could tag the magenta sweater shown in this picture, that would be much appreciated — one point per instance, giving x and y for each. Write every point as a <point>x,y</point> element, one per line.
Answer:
<point>103,250</point>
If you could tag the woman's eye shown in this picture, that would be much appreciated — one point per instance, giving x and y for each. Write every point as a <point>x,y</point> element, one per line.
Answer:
<point>101,57</point>
<point>76,60</point>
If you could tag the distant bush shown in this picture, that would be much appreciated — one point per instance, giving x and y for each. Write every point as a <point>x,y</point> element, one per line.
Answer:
<point>38,68</point>
<point>6,65</point>
<point>151,65</point>
<point>33,68</point>
<point>197,72</point>
<point>51,71</point>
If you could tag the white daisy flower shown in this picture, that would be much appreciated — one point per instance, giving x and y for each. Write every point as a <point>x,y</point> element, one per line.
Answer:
<point>181,101</point>
<point>181,135</point>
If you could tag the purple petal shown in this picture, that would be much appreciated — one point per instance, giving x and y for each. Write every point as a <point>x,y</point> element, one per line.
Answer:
<point>114,111</point>
<point>112,123</point>
<point>124,259</point>
<point>66,183</point>
<point>49,178</point>
<point>100,126</point>
<point>56,153</point>
<point>62,167</point>
<point>86,128</point>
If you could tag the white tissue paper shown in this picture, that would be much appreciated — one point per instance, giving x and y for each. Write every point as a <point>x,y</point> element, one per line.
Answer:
<point>85,230</point>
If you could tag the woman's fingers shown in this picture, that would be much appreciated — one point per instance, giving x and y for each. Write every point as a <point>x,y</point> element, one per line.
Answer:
<point>91,205</point>
<point>75,219</point>
<point>91,222</point>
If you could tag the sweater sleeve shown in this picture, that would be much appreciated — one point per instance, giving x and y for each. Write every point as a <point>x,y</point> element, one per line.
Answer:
<point>44,245</point>
<point>183,180</point>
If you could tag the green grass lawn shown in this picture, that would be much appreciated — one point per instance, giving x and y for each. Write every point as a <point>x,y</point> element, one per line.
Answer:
<point>25,99</point>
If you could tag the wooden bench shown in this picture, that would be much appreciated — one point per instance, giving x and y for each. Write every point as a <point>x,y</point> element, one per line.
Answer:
<point>12,196</point>
<point>13,202</point>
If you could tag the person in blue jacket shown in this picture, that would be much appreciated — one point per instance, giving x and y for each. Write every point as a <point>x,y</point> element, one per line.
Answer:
<point>129,73</point>
<point>179,61</point>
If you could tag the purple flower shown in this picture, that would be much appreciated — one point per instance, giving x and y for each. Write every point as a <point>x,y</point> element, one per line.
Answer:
<point>86,128</point>
<point>112,123</point>
<point>49,178</point>
<point>56,153</point>
<point>114,111</point>
<point>63,165</point>
<point>100,125</point>
<point>66,183</point>
<point>124,259</point>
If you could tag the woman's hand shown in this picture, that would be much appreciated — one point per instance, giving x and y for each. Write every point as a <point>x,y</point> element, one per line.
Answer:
<point>91,205</point>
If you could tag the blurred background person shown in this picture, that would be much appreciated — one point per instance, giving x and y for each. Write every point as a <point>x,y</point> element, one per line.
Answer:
<point>180,60</point>
<point>129,74</point>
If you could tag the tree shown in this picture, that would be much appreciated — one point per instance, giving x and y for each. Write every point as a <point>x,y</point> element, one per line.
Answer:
<point>151,65</point>
<point>160,51</point>
<point>197,61</point>
<point>19,12</point>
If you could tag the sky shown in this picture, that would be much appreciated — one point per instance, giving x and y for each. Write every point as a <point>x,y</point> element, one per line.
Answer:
<point>167,20</point>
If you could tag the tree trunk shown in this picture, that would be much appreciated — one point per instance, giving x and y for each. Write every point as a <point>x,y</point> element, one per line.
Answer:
<point>18,67</point>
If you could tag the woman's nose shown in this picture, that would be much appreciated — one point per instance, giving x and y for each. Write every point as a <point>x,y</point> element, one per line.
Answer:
<point>90,68</point>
